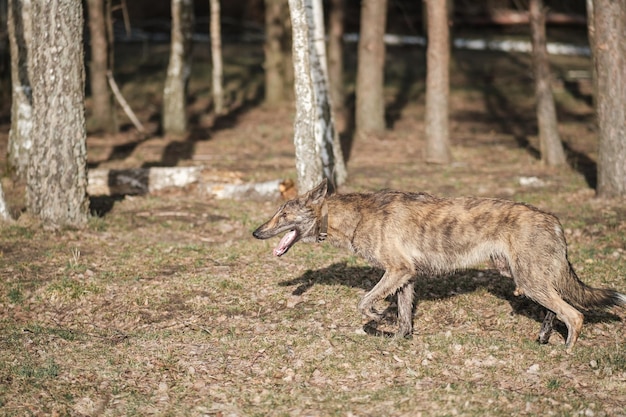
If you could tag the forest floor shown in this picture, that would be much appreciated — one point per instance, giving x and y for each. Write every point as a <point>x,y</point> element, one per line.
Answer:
<point>165,304</point>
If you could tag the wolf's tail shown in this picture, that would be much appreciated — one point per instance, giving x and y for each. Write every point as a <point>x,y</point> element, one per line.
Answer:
<point>585,297</point>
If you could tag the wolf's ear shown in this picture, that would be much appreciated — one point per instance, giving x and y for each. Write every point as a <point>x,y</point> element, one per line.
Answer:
<point>317,194</point>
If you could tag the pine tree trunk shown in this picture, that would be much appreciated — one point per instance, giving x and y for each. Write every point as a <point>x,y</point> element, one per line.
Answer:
<point>275,82</point>
<point>591,34</point>
<point>335,58</point>
<point>179,69</point>
<point>370,100</point>
<point>103,113</point>
<point>216,57</point>
<point>437,84</point>
<point>552,152</point>
<point>20,136</point>
<point>57,178</point>
<point>610,58</point>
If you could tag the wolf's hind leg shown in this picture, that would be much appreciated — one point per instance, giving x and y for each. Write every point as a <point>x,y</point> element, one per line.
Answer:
<point>546,328</point>
<point>572,318</point>
<point>405,310</point>
<point>388,284</point>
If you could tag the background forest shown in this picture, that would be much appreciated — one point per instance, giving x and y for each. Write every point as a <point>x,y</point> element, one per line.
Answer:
<point>130,283</point>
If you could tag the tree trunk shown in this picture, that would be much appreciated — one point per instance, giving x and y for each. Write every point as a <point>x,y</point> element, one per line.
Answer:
<point>335,58</point>
<point>57,178</point>
<point>437,84</point>
<point>20,136</point>
<point>370,100</point>
<point>103,112</point>
<point>315,138</point>
<point>610,58</point>
<point>4,210</point>
<point>552,152</point>
<point>591,34</point>
<point>275,33</point>
<point>216,57</point>
<point>179,69</point>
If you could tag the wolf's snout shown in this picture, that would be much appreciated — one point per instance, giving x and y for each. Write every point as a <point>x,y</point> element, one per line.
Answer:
<point>256,234</point>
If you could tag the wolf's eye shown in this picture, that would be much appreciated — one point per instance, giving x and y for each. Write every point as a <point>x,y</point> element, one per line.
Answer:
<point>283,215</point>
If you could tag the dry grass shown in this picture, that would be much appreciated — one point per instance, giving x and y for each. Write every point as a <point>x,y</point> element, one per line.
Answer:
<point>168,306</point>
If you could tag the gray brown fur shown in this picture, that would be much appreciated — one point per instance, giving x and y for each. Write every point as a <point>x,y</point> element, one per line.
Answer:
<point>416,234</point>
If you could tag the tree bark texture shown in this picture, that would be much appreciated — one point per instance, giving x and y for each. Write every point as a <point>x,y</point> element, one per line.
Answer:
<point>57,179</point>
<point>20,135</point>
<point>370,99</point>
<point>437,84</point>
<point>103,112</point>
<point>610,59</point>
<point>179,69</point>
<point>216,58</point>
<point>551,149</point>
<point>335,56</point>
<point>275,40</point>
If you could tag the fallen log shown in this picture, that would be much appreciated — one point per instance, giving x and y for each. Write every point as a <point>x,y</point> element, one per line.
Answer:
<point>219,184</point>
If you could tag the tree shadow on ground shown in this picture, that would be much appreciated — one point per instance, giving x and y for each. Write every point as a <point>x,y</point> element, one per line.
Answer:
<point>434,288</point>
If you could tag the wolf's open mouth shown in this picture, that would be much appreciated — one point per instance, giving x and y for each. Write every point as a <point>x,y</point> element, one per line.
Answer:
<point>286,242</point>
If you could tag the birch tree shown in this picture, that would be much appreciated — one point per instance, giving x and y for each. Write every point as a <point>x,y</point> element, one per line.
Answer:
<point>20,135</point>
<point>609,53</point>
<point>174,117</point>
<point>216,57</point>
<point>436,127</point>
<point>551,148</point>
<point>318,152</point>
<point>56,177</point>
<point>4,210</point>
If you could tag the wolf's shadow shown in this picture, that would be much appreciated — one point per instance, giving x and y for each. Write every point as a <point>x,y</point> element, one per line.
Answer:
<point>435,288</point>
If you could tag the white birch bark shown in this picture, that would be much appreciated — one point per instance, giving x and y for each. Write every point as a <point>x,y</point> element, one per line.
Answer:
<point>216,57</point>
<point>318,153</point>
<point>4,211</point>
<point>308,162</point>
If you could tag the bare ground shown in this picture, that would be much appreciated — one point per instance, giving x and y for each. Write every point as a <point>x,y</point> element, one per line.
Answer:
<point>166,305</point>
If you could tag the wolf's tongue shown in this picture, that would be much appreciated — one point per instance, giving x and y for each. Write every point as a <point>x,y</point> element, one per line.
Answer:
<point>285,243</point>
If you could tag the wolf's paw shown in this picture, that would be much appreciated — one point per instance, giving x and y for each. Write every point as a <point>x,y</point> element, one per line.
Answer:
<point>373,315</point>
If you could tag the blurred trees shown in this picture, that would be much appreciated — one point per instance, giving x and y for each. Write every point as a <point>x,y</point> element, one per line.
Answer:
<point>551,149</point>
<point>335,58</point>
<point>370,100</point>
<point>609,56</point>
<point>437,83</point>
<point>174,116</point>
<point>216,57</point>
<point>278,65</point>
<point>56,175</point>
<point>103,111</point>
<point>20,136</point>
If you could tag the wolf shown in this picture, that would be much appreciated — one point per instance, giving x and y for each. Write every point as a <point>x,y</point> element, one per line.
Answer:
<point>412,235</point>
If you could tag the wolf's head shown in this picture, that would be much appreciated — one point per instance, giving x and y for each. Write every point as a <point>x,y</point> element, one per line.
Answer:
<point>301,218</point>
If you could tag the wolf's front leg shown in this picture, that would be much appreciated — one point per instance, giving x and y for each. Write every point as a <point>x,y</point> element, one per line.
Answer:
<point>388,284</point>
